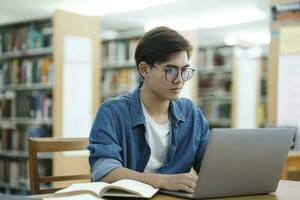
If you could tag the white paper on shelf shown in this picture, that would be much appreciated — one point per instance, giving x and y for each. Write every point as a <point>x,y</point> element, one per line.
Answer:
<point>289,40</point>
<point>288,110</point>
<point>246,95</point>
<point>77,87</point>
<point>77,49</point>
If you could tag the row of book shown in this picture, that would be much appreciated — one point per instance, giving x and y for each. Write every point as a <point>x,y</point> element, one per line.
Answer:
<point>216,109</point>
<point>16,139</point>
<point>24,101</point>
<point>14,177</point>
<point>116,52</point>
<point>210,85</point>
<point>215,84</point>
<point>215,58</point>
<point>15,174</point>
<point>36,104</point>
<point>115,82</point>
<point>286,11</point>
<point>27,71</point>
<point>25,36</point>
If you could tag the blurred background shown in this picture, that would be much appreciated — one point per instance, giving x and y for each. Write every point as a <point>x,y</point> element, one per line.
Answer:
<point>60,59</point>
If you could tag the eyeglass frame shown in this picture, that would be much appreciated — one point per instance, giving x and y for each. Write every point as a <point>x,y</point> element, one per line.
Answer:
<point>177,71</point>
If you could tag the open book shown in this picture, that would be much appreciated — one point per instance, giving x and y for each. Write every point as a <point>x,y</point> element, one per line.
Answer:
<point>121,188</point>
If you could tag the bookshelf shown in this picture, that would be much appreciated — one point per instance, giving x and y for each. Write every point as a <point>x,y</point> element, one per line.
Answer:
<point>26,103</point>
<point>77,82</point>
<point>33,57</point>
<point>284,52</point>
<point>215,84</point>
<point>262,112</point>
<point>286,19</point>
<point>227,86</point>
<point>119,74</point>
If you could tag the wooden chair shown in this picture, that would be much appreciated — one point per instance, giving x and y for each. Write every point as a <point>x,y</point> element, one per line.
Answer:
<point>36,145</point>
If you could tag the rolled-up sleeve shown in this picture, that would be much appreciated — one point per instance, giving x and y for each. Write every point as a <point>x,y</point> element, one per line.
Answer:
<point>103,166</point>
<point>104,144</point>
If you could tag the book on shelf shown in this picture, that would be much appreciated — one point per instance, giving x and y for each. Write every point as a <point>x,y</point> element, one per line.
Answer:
<point>25,36</point>
<point>1,49</point>
<point>34,104</point>
<point>23,174</point>
<point>12,139</point>
<point>13,173</point>
<point>6,139</point>
<point>26,71</point>
<point>132,46</point>
<point>201,58</point>
<point>118,52</point>
<point>35,38</point>
<point>1,76</point>
<point>217,58</point>
<point>119,81</point>
<point>1,142</point>
<point>121,188</point>
<point>6,109</point>
<point>37,132</point>
<point>16,139</point>
<point>7,41</point>
<point>7,73</point>
<point>286,11</point>
<point>30,132</point>
<point>2,169</point>
<point>216,109</point>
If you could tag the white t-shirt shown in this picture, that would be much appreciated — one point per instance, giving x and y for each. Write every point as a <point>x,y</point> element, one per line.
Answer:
<point>157,137</point>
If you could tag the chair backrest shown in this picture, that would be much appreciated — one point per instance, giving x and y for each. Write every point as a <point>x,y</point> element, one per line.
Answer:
<point>38,145</point>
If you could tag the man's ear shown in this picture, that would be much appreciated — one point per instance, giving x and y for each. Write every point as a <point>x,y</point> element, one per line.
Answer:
<point>144,69</point>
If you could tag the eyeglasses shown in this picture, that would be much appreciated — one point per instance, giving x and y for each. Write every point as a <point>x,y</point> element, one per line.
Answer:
<point>171,73</point>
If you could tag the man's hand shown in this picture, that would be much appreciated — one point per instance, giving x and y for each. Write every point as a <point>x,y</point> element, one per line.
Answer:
<point>185,182</point>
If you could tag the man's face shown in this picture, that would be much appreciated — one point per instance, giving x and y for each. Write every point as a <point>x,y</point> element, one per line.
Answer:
<point>157,82</point>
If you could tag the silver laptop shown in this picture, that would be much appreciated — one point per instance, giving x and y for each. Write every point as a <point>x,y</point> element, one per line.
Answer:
<point>241,162</point>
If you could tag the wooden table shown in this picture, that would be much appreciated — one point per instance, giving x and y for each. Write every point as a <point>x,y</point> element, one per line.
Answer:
<point>287,190</point>
<point>292,164</point>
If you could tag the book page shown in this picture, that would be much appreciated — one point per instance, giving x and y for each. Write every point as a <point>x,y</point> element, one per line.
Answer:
<point>94,187</point>
<point>74,197</point>
<point>137,187</point>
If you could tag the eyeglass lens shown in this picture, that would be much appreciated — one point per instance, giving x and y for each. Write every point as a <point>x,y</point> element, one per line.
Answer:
<point>172,74</point>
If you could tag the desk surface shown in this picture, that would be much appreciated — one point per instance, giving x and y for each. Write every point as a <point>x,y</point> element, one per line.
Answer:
<point>287,190</point>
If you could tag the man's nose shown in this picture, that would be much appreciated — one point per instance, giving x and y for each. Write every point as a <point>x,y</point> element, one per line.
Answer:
<point>178,78</point>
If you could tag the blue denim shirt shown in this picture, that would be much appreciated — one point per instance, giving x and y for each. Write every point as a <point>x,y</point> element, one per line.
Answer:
<point>117,137</point>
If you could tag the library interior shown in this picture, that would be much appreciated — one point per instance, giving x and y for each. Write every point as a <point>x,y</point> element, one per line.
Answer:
<point>61,59</point>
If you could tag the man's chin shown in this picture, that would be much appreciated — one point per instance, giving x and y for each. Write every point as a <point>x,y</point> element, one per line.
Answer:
<point>173,97</point>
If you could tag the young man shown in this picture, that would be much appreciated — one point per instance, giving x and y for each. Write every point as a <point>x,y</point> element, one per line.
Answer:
<point>151,135</point>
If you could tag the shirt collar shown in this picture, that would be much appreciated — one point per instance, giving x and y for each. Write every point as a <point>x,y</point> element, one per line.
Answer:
<point>176,111</point>
<point>136,111</point>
